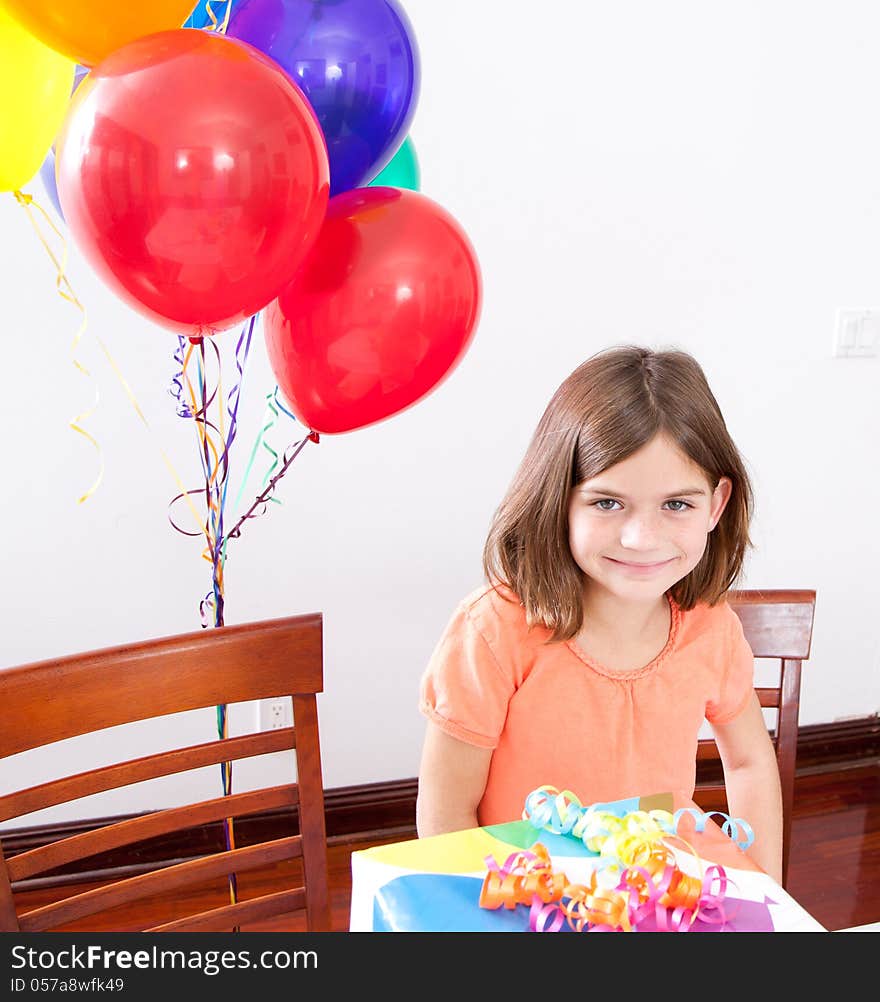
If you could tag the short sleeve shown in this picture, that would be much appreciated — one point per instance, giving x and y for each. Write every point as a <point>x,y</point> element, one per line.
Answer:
<point>737,677</point>
<point>464,690</point>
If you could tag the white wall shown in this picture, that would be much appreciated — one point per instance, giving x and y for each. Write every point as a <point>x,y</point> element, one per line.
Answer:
<point>704,176</point>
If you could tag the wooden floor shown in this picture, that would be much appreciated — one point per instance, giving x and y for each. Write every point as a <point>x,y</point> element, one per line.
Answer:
<point>834,870</point>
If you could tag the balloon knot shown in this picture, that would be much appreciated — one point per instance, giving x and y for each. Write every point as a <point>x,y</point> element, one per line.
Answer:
<point>23,198</point>
<point>314,437</point>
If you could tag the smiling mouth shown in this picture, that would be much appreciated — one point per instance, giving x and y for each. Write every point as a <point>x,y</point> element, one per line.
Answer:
<point>632,563</point>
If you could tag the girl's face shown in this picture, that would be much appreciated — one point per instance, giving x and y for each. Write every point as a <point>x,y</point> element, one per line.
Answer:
<point>642,525</point>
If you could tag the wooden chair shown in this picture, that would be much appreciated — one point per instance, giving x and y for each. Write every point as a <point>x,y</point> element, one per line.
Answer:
<point>778,624</point>
<point>52,700</point>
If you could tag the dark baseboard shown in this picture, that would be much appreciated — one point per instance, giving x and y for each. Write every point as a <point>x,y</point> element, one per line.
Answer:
<point>839,745</point>
<point>376,811</point>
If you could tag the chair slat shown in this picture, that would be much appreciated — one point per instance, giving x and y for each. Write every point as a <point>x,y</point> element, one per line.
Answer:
<point>159,882</point>
<point>229,916</point>
<point>707,750</point>
<point>88,692</point>
<point>84,784</point>
<point>86,844</point>
<point>768,697</point>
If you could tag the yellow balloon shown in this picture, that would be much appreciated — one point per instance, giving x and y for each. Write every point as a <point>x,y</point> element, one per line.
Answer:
<point>35,85</point>
<point>91,29</point>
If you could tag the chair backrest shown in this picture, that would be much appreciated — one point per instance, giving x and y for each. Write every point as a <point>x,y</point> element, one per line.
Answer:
<point>58,699</point>
<point>778,624</point>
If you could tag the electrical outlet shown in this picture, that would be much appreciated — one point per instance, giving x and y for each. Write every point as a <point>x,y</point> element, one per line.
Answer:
<point>857,333</point>
<point>275,713</point>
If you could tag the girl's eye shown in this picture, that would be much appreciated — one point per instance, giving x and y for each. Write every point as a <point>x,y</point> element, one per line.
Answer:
<point>605,504</point>
<point>679,505</point>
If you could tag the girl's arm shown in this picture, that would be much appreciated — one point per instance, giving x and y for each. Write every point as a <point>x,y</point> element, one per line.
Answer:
<point>452,778</point>
<point>751,777</point>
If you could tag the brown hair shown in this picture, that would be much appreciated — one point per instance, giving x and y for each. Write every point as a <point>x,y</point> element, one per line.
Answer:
<point>607,409</point>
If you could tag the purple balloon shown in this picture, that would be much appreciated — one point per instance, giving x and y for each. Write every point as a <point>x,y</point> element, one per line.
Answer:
<point>357,63</point>
<point>47,176</point>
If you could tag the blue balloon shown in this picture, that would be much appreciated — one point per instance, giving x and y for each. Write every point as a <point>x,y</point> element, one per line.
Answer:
<point>357,63</point>
<point>200,18</point>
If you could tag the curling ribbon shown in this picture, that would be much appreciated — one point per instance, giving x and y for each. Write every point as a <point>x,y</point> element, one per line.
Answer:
<point>523,876</point>
<point>176,387</point>
<point>264,496</point>
<point>730,826</point>
<point>184,493</point>
<point>273,407</point>
<point>217,25</point>
<point>658,889</point>
<point>633,851</point>
<point>213,460</point>
<point>552,810</point>
<point>65,291</point>
<point>215,466</point>
<point>562,813</point>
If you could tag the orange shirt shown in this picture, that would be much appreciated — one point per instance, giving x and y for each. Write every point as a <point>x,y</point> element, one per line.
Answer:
<point>554,716</point>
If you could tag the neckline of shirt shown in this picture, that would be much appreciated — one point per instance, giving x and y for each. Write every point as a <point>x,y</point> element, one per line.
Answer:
<point>652,665</point>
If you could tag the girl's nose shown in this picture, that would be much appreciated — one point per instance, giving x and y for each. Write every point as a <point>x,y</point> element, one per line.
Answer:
<point>639,532</point>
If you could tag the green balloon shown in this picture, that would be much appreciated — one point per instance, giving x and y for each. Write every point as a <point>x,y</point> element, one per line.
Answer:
<point>402,170</point>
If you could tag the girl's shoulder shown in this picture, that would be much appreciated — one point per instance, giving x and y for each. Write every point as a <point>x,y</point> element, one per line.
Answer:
<point>497,613</point>
<point>712,622</point>
<point>493,601</point>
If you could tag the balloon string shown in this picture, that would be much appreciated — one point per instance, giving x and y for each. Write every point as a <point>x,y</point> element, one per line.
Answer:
<point>280,405</point>
<point>242,353</point>
<point>176,387</point>
<point>212,464</point>
<point>217,494</point>
<point>211,471</point>
<point>214,455</point>
<point>226,778</point>
<point>242,350</point>
<point>266,425</point>
<point>206,450</point>
<point>263,497</point>
<point>215,490</point>
<point>273,410</point>
<point>65,291</point>
<point>137,408</point>
<point>270,418</point>
<point>69,295</point>
<point>207,444</point>
<point>275,406</point>
<point>216,25</point>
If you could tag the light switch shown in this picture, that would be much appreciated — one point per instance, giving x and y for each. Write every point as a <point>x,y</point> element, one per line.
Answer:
<point>857,333</point>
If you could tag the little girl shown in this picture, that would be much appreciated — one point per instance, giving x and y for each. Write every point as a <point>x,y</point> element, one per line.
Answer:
<point>603,639</point>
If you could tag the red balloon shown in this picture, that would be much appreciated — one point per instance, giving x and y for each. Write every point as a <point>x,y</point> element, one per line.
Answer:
<point>379,313</point>
<point>193,175</point>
